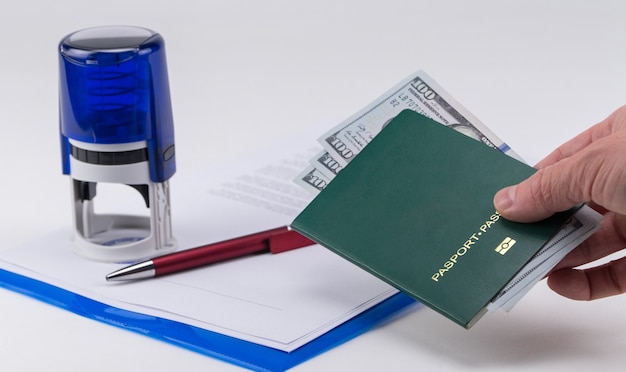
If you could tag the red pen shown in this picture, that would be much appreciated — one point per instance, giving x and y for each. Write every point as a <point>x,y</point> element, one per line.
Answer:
<point>276,240</point>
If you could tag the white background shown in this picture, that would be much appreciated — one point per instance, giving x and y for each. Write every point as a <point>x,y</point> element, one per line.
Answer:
<point>243,73</point>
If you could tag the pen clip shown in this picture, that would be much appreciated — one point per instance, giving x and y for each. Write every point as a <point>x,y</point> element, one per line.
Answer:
<point>287,241</point>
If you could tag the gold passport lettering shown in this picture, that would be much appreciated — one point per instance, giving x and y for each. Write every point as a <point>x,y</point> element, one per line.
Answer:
<point>464,249</point>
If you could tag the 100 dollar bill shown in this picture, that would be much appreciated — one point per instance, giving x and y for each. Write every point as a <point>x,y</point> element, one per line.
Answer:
<point>418,92</point>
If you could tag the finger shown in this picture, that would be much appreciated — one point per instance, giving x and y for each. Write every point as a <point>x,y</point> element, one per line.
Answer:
<point>590,284</point>
<point>596,174</point>
<point>576,144</point>
<point>615,122</point>
<point>608,239</point>
<point>571,147</point>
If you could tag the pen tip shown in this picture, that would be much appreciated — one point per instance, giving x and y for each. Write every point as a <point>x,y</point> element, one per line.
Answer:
<point>140,270</point>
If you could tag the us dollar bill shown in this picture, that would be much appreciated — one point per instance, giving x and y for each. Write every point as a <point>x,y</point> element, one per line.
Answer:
<point>326,164</point>
<point>418,92</point>
<point>577,229</point>
<point>312,179</point>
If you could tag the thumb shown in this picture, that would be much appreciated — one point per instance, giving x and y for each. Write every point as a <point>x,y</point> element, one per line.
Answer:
<point>549,190</point>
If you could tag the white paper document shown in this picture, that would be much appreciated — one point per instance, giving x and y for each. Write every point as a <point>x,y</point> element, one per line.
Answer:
<point>281,301</point>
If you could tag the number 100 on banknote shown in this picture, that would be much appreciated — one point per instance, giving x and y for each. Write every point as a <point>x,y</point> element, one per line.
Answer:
<point>417,92</point>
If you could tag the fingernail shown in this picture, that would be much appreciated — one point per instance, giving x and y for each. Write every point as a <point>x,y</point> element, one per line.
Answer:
<point>504,198</point>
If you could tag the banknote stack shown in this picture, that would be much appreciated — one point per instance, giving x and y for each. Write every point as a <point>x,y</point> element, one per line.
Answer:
<point>417,92</point>
<point>422,94</point>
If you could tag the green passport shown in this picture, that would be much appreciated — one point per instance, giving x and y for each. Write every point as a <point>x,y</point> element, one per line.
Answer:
<point>415,208</point>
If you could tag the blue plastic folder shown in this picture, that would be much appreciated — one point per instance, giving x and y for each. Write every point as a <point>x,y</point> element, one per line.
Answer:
<point>242,353</point>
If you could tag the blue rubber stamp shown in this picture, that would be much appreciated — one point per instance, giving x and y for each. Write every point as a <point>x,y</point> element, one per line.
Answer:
<point>116,126</point>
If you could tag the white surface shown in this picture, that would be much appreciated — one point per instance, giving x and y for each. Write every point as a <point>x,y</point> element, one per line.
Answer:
<point>244,72</point>
<point>281,301</point>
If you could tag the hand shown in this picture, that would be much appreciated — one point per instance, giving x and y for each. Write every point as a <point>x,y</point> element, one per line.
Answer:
<point>590,168</point>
